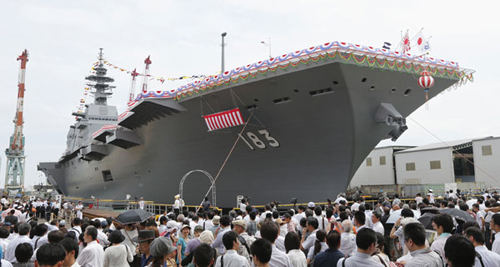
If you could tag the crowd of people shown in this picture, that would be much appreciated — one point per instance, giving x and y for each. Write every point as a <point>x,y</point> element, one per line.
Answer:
<point>386,233</point>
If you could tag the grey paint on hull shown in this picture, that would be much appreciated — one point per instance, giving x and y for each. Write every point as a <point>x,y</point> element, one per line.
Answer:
<point>322,140</point>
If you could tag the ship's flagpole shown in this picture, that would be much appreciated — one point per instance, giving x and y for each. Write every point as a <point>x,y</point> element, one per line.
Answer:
<point>225,161</point>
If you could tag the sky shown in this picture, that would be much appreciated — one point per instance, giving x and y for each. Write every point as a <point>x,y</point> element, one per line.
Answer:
<point>183,38</point>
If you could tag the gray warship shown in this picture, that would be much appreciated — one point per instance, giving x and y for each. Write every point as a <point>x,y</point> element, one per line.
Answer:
<point>295,126</point>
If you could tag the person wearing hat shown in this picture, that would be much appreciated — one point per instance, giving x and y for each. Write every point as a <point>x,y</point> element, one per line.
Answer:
<point>162,250</point>
<point>215,222</point>
<point>177,204</point>
<point>144,239</point>
<point>79,209</point>
<point>244,240</point>
<point>182,243</point>
<point>141,203</point>
<point>117,254</point>
<point>193,243</point>
<point>225,226</point>
<point>430,196</point>
<point>62,227</point>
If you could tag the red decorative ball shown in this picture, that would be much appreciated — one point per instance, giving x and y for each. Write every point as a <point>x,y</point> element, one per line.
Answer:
<point>425,81</point>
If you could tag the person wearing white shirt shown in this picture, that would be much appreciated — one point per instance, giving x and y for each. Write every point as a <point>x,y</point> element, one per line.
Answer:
<point>177,204</point>
<point>359,220</point>
<point>292,248</point>
<point>50,253</point>
<point>261,253</point>
<point>300,214</point>
<point>141,203</point>
<point>77,229</point>
<point>421,254</point>
<point>368,215</point>
<point>485,195</point>
<point>460,251</point>
<point>4,201</point>
<point>418,198</point>
<point>367,244</point>
<point>243,205</point>
<point>312,227</point>
<point>340,197</point>
<point>79,209</point>
<point>443,225</point>
<point>118,254</point>
<point>480,214</point>
<point>208,224</point>
<point>4,238</point>
<point>495,226</point>
<point>348,240</point>
<point>377,225</point>
<point>71,249</point>
<point>270,230</point>
<point>24,231</point>
<point>93,254</point>
<point>319,246</point>
<point>231,257</point>
<point>489,258</point>
<point>163,225</point>
<point>322,221</point>
<point>5,263</point>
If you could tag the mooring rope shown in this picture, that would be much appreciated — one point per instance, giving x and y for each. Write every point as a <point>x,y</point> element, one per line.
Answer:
<point>225,161</point>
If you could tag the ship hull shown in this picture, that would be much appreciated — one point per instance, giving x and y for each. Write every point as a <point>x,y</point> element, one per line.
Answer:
<point>309,130</point>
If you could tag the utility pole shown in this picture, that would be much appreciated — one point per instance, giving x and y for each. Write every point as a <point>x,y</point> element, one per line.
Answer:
<point>222,60</point>
<point>14,174</point>
<point>268,45</point>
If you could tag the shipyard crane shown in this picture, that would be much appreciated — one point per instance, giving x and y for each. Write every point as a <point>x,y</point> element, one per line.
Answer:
<point>131,97</point>
<point>14,174</point>
<point>148,62</point>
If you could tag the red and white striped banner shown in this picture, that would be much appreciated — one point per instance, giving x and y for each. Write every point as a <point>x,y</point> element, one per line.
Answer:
<point>224,119</point>
<point>104,128</point>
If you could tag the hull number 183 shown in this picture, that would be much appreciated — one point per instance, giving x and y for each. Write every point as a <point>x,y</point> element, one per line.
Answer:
<point>259,141</point>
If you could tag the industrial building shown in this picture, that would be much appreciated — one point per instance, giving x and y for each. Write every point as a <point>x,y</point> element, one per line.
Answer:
<point>471,163</point>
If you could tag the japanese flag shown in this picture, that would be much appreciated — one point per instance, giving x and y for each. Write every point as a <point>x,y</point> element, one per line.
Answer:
<point>422,43</point>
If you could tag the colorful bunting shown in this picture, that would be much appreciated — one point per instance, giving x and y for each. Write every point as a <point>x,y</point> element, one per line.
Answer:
<point>158,78</point>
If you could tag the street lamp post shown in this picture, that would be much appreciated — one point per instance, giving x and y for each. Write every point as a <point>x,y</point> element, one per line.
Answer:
<point>222,59</point>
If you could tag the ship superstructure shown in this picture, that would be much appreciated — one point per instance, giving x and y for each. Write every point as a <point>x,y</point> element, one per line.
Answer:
<point>308,120</point>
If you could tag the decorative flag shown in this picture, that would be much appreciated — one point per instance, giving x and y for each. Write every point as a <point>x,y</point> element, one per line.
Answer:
<point>387,46</point>
<point>422,43</point>
<point>224,119</point>
<point>405,42</point>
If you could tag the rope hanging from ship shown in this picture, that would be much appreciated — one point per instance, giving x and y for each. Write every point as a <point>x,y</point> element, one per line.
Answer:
<point>227,158</point>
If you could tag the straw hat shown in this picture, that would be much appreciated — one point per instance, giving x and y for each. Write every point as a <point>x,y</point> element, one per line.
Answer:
<point>207,237</point>
<point>241,223</point>
<point>216,220</point>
